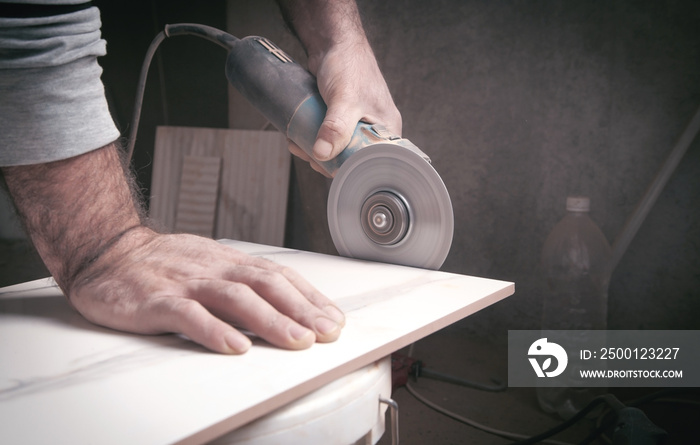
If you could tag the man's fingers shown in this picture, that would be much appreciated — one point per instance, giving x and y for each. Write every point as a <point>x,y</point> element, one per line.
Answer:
<point>239,304</point>
<point>313,295</point>
<point>305,305</point>
<point>190,318</point>
<point>335,133</point>
<point>281,283</point>
<point>301,154</point>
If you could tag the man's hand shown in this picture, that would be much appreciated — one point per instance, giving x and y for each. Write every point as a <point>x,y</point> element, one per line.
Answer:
<point>85,223</point>
<point>348,77</point>
<point>149,284</point>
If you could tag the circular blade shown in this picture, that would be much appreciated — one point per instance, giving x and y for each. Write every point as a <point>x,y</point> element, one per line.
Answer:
<point>401,172</point>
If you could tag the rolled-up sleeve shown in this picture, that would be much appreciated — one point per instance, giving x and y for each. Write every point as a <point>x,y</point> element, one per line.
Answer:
<point>52,101</point>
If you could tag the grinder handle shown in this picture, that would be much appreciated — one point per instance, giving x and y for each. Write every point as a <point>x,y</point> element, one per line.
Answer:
<point>284,92</point>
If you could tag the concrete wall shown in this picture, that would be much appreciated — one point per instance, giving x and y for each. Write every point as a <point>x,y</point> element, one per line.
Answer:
<point>522,103</point>
<point>519,104</point>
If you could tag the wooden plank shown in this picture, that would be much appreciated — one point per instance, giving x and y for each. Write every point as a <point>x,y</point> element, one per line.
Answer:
<point>252,200</point>
<point>254,187</point>
<point>196,202</point>
<point>59,369</point>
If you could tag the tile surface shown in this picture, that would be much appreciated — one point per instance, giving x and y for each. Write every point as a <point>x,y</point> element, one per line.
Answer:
<point>65,380</point>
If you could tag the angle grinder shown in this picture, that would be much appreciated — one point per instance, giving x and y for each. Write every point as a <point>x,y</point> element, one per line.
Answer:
<point>386,202</point>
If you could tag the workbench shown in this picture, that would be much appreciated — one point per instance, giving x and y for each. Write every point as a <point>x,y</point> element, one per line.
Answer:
<point>65,380</point>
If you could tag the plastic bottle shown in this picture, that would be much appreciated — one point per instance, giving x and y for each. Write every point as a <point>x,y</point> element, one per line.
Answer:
<point>576,264</point>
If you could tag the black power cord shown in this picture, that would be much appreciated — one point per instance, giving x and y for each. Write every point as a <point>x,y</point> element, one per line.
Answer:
<point>632,427</point>
<point>214,35</point>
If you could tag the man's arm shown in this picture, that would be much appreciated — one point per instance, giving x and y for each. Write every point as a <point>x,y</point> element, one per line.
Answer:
<point>349,78</point>
<point>74,210</point>
<point>86,225</point>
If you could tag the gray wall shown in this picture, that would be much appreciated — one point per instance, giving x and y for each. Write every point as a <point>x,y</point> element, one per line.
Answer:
<point>519,104</point>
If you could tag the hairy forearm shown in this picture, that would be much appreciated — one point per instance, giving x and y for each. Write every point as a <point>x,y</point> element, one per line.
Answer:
<point>323,24</point>
<point>74,209</point>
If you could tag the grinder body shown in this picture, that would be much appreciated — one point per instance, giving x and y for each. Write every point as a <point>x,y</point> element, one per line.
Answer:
<point>386,202</point>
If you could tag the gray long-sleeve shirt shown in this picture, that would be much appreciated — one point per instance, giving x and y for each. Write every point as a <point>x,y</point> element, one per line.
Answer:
<point>52,101</point>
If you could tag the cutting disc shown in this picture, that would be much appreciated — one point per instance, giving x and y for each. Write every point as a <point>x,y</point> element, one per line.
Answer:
<point>388,204</point>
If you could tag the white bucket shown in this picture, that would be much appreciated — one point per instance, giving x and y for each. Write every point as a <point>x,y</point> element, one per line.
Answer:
<point>344,412</point>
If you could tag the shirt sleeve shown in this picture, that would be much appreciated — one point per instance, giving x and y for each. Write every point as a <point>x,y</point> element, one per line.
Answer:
<point>52,100</point>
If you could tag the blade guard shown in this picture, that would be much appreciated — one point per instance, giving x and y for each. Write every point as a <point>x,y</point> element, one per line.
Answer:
<point>387,203</point>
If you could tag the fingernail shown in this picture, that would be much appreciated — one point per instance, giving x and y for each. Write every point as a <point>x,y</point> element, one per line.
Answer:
<point>298,332</point>
<point>335,314</point>
<point>322,150</point>
<point>239,343</point>
<point>325,325</point>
